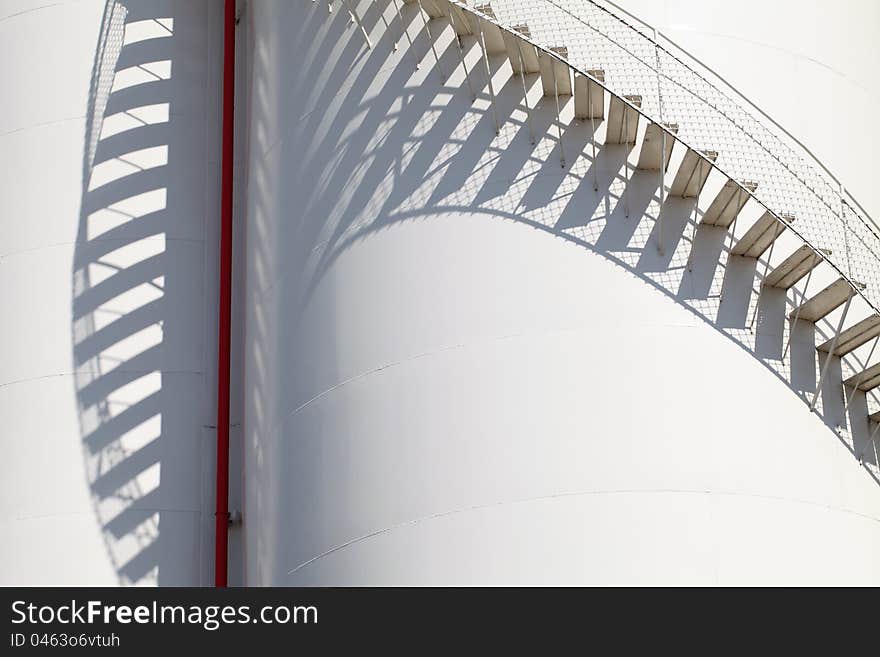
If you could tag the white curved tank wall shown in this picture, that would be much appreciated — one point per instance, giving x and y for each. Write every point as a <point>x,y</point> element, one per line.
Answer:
<point>464,366</point>
<point>109,156</point>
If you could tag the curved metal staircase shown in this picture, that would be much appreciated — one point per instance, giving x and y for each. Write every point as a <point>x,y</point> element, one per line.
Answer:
<point>685,129</point>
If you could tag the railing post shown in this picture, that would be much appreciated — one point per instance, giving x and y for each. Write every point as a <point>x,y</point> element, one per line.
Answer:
<point>732,232</point>
<point>845,232</point>
<point>625,161</point>
<point>830,353</point>
<point>489,76</point>
<point>461,55</point>
<point>522,76</point>
<point>423,14</point>
<point>662,146</point>
<point>558,117</point>
<point>696,215</point>
<point>797,313</point>
<point>761,286</point>
<point>593,134</point>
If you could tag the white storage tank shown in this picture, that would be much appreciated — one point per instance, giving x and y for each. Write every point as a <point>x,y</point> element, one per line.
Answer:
<point>109,148</point>
<point>468,345</point>
<point>465,366</point>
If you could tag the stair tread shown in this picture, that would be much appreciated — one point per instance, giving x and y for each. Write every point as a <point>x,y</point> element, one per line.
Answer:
<point>586,90</point>
<point>867,379</point>
<point>515,46</point>
<point>760,236</point>
<point>491,32</point>
<point>794,267</point>
<point>548,64</point>
<point>854,337</point>
<point>692,173</point>
<point>819,305</point>
<point>617,112</point>
<point>650,157</point>
<point>728,203</point>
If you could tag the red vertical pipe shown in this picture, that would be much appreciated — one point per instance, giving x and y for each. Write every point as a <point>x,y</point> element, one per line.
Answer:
<point>225,303</point>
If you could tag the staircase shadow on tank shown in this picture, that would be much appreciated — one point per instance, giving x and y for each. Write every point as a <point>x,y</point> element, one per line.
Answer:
<point>137,374</point>
<point>527,184</point>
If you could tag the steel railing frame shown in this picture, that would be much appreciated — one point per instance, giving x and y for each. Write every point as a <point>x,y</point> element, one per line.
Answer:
<point>654,38</point>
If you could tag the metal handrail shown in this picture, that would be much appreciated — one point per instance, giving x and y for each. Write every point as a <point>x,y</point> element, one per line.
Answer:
<point>653,36</point>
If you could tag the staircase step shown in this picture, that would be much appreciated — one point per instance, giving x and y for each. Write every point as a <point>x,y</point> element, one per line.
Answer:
<point>586,90</point>
<point>617,110</point>
<point>491,32</point>
<point>794,267</point>
<point>514,45</point>
<point>561,85</point>
<point>692,173</point>
<point>854,337</point>
<point>760,236</point>
<point>728,203</point>
<point>650,156</point>
<point>866,380</point>
<point>460,21</point>
<point>825,301</point>
<point>431,7</point>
